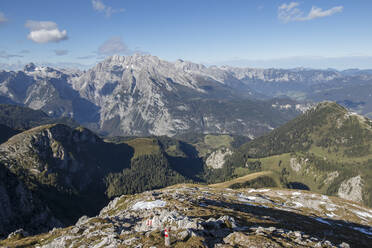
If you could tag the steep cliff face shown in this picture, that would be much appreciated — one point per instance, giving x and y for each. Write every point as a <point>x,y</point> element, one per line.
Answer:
<point>352,189</point>
<point>216,159</point>
<point>21,208</point>
<point>49,149</point>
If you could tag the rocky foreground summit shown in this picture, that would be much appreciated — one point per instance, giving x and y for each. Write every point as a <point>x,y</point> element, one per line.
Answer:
<point>199,216</point>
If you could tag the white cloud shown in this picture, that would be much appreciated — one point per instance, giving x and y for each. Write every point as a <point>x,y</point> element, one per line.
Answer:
<point>290,12</point>
<point>114,45</point>
<point>101,7</point>
<point>98,5</point>
<point>60,52</point>
<point>45,36</point>
<point>3,19</point>
<point>316,12</point>
<point>45,31</point>
<point>289,6</point>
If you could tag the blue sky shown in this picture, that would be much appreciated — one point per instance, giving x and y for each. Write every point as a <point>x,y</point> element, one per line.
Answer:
<point>272,33</point>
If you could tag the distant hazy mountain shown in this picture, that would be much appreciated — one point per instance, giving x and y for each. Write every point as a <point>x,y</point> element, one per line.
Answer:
<point>46,89</point>
<point>351,88</point>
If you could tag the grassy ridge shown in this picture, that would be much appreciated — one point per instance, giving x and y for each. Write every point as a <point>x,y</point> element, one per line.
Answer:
<point>244,179</point>
<point>312,149</point>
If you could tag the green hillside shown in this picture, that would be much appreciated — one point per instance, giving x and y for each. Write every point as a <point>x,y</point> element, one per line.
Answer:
<point>254,180</point>
<point>319,150</point>
<point>206,143</point>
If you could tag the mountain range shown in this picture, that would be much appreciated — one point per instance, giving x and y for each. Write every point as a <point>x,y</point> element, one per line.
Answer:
<point>144,95</point>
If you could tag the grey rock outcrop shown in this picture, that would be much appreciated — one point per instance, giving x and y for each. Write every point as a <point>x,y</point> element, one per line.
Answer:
<point>352,189</point>
<point>216,159</point>
<point>186,211</point>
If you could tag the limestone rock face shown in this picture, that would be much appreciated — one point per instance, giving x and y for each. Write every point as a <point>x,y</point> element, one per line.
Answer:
<point>352,189</point>
<point>217,159</point>
<point>295,165</point>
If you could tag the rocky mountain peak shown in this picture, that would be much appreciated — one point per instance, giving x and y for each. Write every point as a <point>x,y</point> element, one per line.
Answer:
<point>30,67</point>
<point>339,114</point>
<point>35,149</point>
<point>42,72</point>
<point>143,60</point>
<point>330,106</point>
<point>189,66</point>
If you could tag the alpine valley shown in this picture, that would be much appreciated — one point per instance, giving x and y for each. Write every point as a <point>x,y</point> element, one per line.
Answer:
<point>224,156</point>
